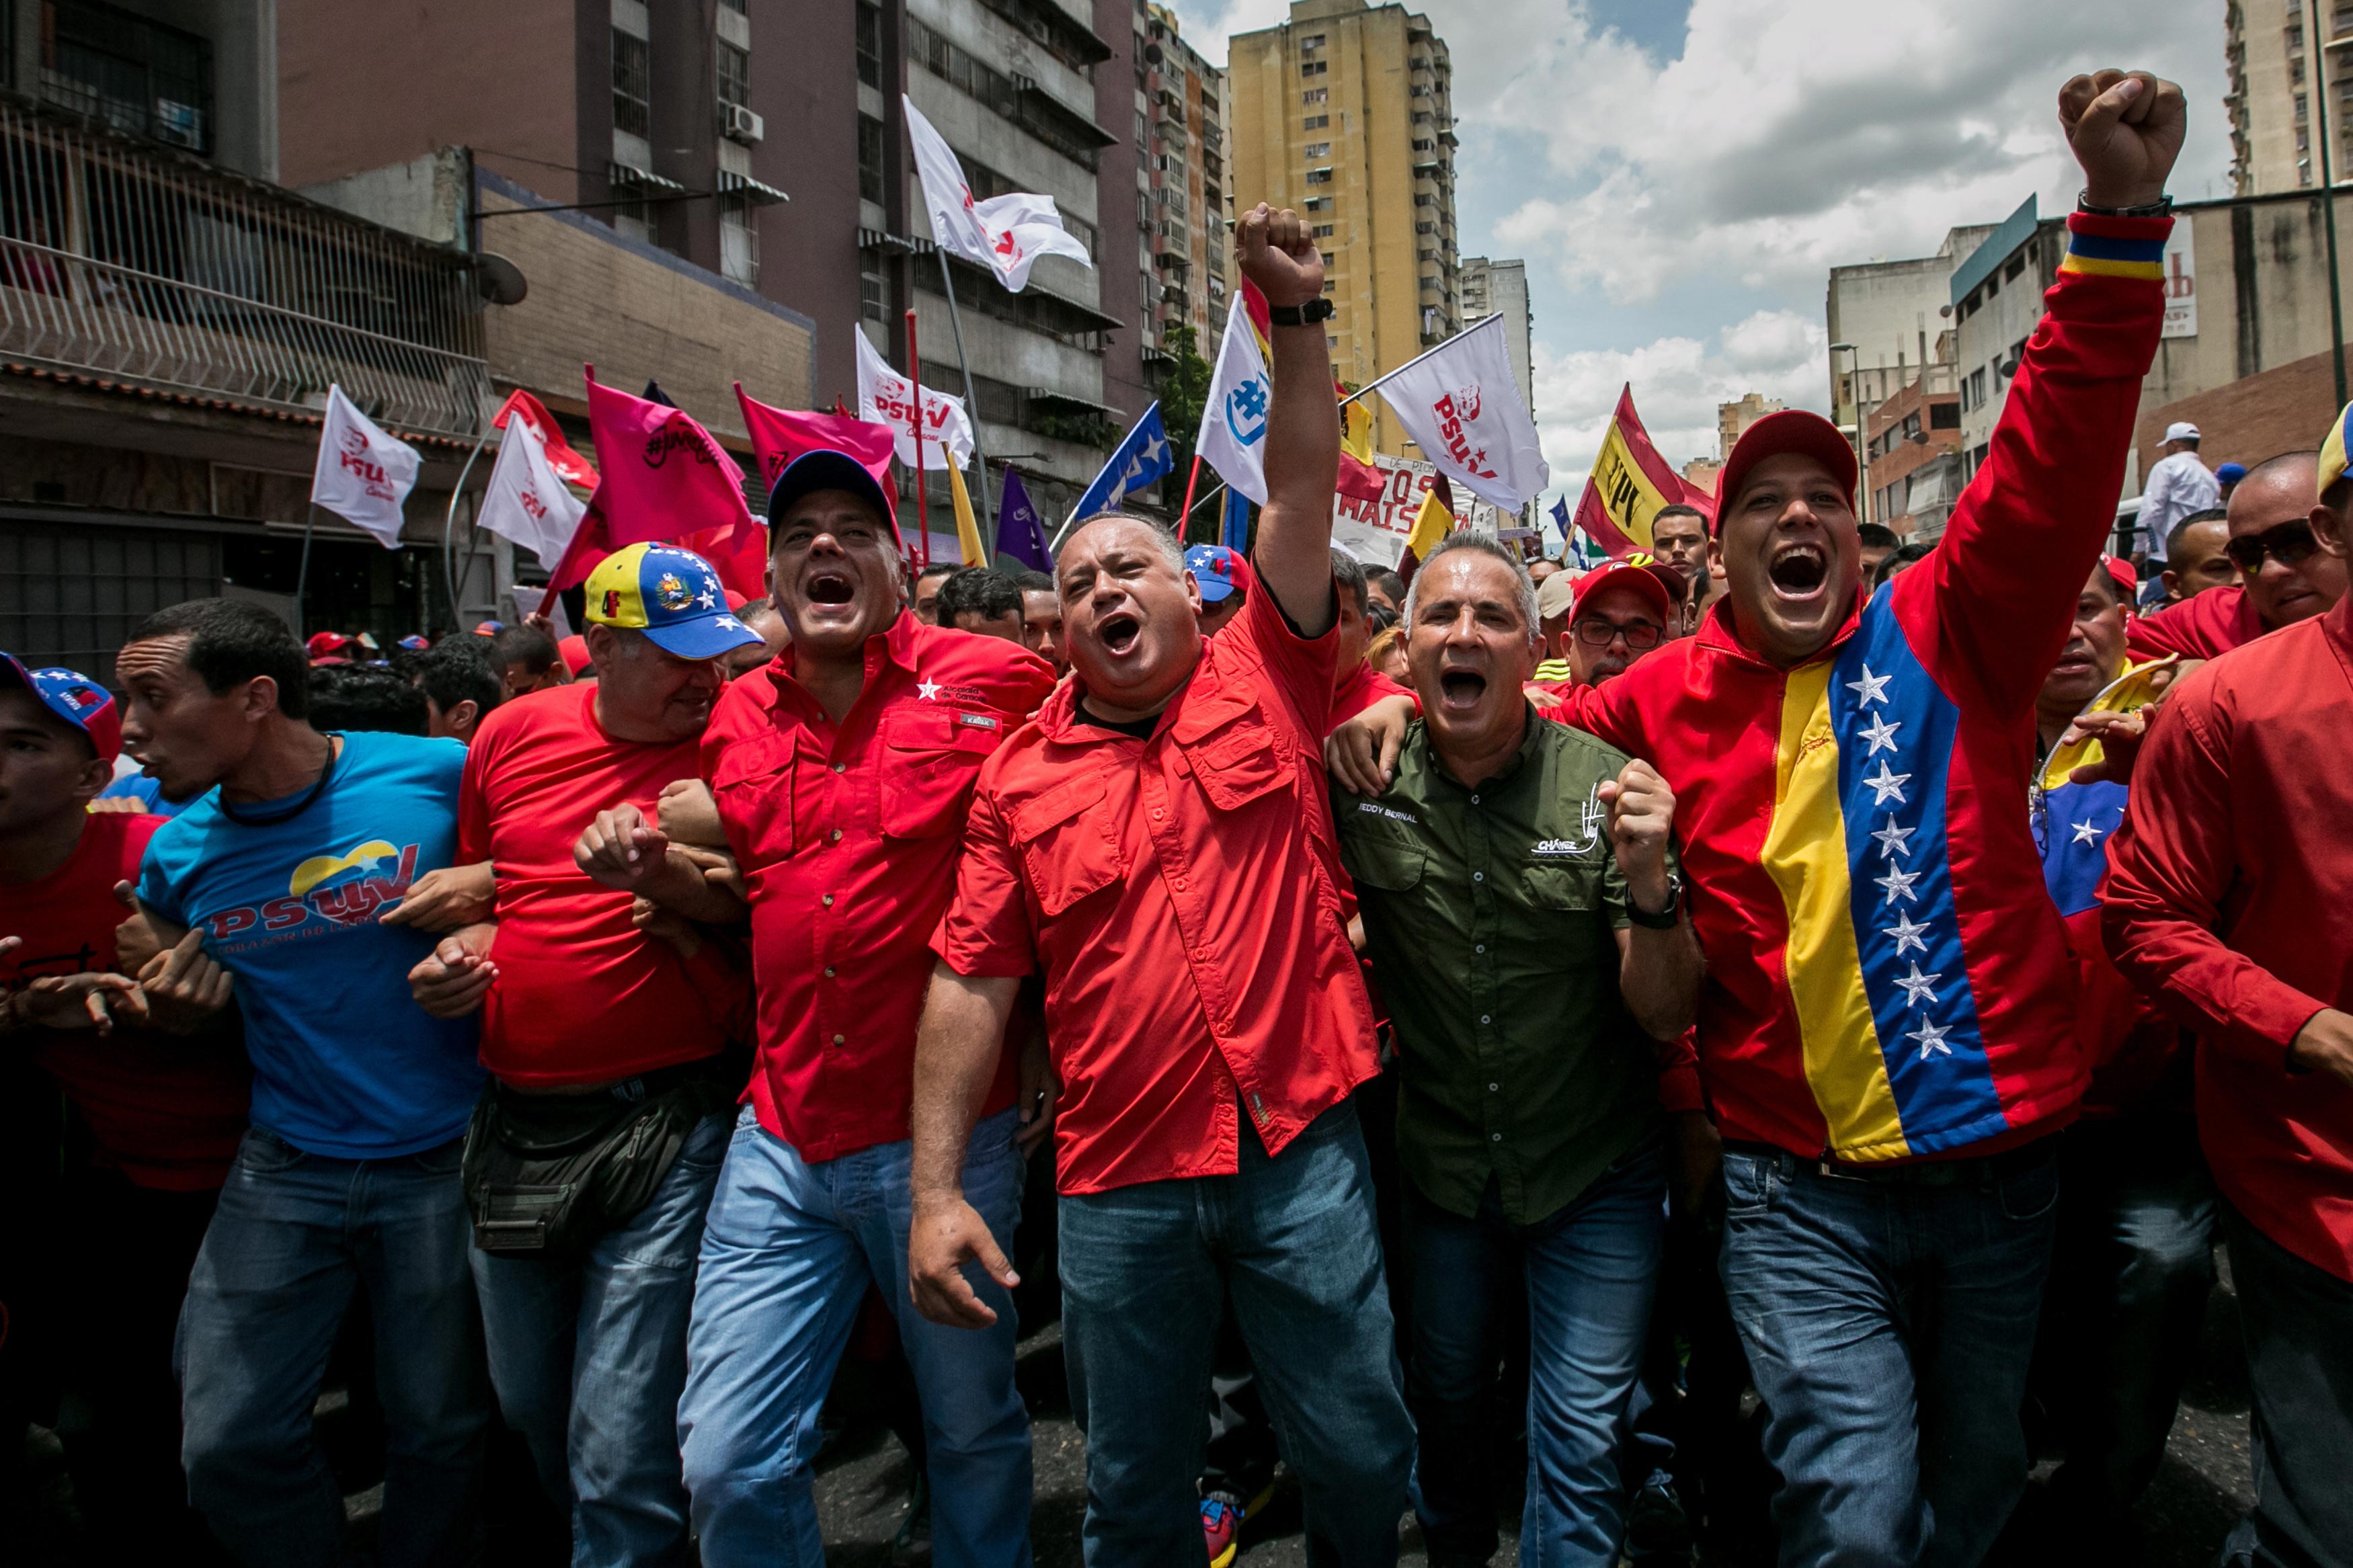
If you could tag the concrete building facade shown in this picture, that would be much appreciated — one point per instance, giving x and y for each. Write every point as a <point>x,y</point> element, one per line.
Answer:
<point>2267,54</point>
<point>1182,196</point>
<point>1733,420</point>
<point>1913,445</point>
<point>1500,288</point>
<point>1344,113</point>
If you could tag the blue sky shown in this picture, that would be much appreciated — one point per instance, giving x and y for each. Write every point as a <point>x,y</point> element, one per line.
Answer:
<point>1680,175</point>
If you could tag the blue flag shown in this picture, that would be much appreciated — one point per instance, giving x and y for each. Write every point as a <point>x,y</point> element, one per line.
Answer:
<point>1237,531</point>
<point>1019,532</point>
<point>1141,459</point>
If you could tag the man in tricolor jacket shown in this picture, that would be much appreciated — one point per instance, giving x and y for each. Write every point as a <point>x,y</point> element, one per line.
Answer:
<point>1886,1029</point>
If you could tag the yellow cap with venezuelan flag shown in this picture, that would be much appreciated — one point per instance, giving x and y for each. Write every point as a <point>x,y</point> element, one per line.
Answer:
<point>2333,461</point>
<point>670,594</point>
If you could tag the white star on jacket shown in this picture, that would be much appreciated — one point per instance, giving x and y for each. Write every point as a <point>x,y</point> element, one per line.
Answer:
<point>1881,734</point>
<point>2088,833</point>
<point>1918,987</point>
<point>1871,688</point>
<point>1931,1038</point>
<point>1906,933</point>
<point>1887,785</point>
<point>1891,841</point>
<point>929,691</point>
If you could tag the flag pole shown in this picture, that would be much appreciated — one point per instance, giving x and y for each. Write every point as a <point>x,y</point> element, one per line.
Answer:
<point>1392,375</point>
<point>971,406</point>
<point>1185,511</point>
<point>303,572</point>
<point>448,527</point>
<point>915,380</point>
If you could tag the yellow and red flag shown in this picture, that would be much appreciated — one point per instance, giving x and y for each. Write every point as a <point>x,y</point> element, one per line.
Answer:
<point>1628,485</point>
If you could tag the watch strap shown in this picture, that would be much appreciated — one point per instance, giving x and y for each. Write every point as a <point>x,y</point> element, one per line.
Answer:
<point>1665,918</point>
<point>2161,207</point>
<point>1305,315</point>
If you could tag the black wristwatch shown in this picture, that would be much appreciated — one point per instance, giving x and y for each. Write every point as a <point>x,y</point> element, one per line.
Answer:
<point>2161,207</point>
<point>1305,315</point>
<point>1666,918</point>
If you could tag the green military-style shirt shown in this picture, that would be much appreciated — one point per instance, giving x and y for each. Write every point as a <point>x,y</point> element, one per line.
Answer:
<point>1490,917</point>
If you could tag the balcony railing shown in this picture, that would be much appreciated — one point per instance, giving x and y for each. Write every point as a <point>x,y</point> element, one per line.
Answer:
<point>141,267</point>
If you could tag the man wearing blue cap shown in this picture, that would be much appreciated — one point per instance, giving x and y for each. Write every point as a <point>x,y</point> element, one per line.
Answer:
<point>1225,584</point>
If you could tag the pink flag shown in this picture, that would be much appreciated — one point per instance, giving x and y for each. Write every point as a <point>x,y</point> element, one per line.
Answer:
<point>780,435</point>
<point>663,476</point>
<point>569,466</point>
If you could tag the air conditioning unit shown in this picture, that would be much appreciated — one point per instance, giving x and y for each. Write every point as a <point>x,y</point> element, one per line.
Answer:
<point>741,124</point>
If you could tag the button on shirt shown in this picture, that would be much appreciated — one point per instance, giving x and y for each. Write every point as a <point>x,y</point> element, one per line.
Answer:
<point>1490,917</point>
<point>1179,893</point>
<point>848,837</point>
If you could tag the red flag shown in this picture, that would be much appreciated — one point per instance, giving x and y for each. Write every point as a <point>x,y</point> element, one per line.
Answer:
<point>569,466</point>
<point>1360,481</point>
<point>1629,482</point>
<point>664,477</point>
<point>780,435</point>
<point>1262,323</point>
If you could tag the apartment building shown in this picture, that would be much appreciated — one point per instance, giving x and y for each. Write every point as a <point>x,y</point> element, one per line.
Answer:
<point>1500,288</point>
<point>1345,112</point>
<point>2282,82</point>
<point>1732,420</point>
<point>1183,200</point>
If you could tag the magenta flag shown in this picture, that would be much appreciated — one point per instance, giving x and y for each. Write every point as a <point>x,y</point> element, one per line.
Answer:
<point>661,475</point>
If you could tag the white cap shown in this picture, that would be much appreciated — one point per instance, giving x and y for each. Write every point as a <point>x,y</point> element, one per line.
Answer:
<point>2182,430</point>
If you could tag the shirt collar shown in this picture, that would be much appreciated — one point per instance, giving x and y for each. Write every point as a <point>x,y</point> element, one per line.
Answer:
<point>1530,740</point>
<point>1718,630</point>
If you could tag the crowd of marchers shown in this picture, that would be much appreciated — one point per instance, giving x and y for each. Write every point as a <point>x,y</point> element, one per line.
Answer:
<point>1785,971</point>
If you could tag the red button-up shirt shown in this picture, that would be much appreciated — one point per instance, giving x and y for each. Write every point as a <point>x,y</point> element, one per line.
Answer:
<point>848,836</point>
<point>2229,900</point>
<point>1180,894</point>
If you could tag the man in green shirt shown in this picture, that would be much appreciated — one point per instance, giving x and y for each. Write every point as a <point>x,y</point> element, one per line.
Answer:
<point>1523,919</point>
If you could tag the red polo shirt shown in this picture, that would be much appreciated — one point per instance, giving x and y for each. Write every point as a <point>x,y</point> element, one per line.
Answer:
<point>1181,895</point>
<point>2228,899</point>
<point>848,836</point>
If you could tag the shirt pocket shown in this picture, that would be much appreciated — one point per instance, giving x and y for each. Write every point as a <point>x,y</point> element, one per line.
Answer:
<point>1238,761</point>
<point>753,787</point>
<point>1384,863</point>
<point>1565,890</point>
<point>1069,848</point>
<point>930,760</point>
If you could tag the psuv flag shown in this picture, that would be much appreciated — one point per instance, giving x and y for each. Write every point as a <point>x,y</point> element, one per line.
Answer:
<point>1141,459</point>
<point>1233,419</point>
<point>1006,234</point>
<point>1461,405</point>
<point>362,474</point>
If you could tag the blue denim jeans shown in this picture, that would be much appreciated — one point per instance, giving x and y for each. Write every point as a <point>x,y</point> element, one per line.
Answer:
<point>789,1252</point>
<point>1591,1268</point>
<point>294,1236</point>
<point>588,1357</point>
<point>2298,1321</point>
<point>2129,1279</point>
<point>1889,1321</point>
<point>1294,1241</point>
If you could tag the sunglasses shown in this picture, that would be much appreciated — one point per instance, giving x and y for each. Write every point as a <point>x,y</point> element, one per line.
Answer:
<point>1601,634</point>
<point>2290,544</point>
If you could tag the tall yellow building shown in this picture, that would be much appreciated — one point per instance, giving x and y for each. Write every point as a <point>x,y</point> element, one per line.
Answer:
<point>1346,113</point>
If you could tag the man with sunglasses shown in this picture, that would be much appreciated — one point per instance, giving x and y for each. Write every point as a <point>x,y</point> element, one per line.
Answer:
<point>2283,574</point>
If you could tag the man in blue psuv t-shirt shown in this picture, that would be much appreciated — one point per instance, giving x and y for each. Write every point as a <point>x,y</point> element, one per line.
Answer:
<point>349,1176</point>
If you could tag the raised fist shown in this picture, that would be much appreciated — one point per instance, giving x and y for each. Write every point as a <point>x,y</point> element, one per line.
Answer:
<point>1278,254</point>
<point>2125,129</point>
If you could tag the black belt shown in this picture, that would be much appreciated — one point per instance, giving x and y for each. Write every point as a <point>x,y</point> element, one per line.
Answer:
<point>1965,1170</point>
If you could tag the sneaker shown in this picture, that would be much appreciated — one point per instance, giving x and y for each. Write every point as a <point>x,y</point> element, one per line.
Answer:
<point>913,1544</point>
<point>1221,1527</point>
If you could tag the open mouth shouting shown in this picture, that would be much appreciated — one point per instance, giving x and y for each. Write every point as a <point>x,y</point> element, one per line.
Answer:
<point>1460,691</point>
<point>1118,631</point>
<point>829,586</point>
<point>1800,571</point>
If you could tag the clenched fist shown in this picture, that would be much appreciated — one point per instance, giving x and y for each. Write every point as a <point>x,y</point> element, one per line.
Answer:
<point>2125,129</point>
<point>1641,819</point>
<point>1278,253</point>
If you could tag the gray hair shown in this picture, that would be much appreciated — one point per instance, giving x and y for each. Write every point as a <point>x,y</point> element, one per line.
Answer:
<point>1486,545</point>
<point>1171,550</point>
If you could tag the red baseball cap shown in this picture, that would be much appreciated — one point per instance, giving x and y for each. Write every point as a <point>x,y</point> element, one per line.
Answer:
<point>574,651</point>
<point>326,644</point>
<point>1790,430</point>
<point>1643,580</point>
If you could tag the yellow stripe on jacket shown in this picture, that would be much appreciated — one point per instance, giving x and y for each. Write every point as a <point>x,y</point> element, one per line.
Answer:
<point>1806,855</point>
<point>2107,269</point>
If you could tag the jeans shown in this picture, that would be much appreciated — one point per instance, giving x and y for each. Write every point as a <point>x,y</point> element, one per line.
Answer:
<point>1590,1269</point>
<point>293,1235</point>
<point>1889,1321</point>
<point>1292,1241</point>
<point>787,1253</point>
<point>2129,1279</point>
<point>2298,1320</point>
<point>588,1357</point>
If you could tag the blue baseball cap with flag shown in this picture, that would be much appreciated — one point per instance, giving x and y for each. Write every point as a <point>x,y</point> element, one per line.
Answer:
<point>670,594</point>
<point>74,698</point>
<point>1216,569</point>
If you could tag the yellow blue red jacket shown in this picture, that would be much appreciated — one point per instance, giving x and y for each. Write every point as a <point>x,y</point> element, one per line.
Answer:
<point>1886,973</point>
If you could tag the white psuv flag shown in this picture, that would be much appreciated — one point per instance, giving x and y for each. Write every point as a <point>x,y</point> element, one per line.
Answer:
<point>526,502</point>
<point>886,397</point>
<point>362,474</point>
<point>1460,405</point>
<point>1233,419</point>
<point>1005,234</point>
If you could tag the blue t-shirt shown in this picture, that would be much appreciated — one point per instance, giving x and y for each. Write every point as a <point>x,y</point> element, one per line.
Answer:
<point>345,1064</point>
<point>145,790</point>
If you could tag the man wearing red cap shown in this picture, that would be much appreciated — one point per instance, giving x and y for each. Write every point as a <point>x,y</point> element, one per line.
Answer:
<point>1884,1027</point>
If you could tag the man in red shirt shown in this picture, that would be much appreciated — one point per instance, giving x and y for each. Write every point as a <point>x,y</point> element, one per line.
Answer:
<point>842,773</point>
<point>2230,900</point>
<point>597,1022</point>
<point>1357,685</point>
<point>2284,576</point>
<point>164,1115</point>
<point>1158,844</point>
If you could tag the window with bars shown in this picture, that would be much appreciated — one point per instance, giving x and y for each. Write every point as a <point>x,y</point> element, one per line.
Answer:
<point>1319,176</point>
<point>869,44</point>
<point>870,181</point>
<point>1315,95</point>
<point>1317,123</point>
<point>632,90</point>
<point>870,297</point>
<point>734,77</point>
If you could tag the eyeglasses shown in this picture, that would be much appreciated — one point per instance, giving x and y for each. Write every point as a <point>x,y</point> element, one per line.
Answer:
<point>1601,634</point>
<point>2290,544</point>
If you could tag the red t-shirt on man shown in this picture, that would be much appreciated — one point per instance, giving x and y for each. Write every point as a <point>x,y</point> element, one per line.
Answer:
<point>583,997</point>
<point>1181,894</point>
<point>848,836</point>
<point>166,1112</point>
